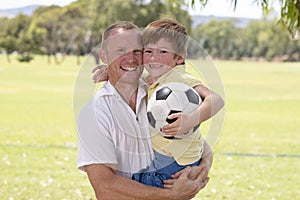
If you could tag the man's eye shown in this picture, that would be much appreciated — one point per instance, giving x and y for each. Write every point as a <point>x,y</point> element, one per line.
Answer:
<point>137,51</point>
<point>121,51</point>
<point>163,51</point>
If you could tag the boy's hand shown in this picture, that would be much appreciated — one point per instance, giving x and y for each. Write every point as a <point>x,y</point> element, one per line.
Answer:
<point>183,123</point>
<point>100,73</point>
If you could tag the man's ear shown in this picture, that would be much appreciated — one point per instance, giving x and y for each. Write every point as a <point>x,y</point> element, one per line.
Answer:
<point>103,56</point>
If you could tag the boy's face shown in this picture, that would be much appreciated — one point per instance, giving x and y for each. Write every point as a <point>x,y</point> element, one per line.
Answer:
<point>160,58</point>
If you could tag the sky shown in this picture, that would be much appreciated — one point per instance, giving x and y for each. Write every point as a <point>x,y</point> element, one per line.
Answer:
<point>245,8</point>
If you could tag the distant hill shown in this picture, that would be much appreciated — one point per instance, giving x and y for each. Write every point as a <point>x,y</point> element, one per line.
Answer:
<point>201,19</point>
<point>10,13</point>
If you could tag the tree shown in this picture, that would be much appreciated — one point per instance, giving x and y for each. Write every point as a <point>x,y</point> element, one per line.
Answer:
<point>218,38</point>
<point>102,13</point>
<point>74,34</point>
<point>11,32</point>
<point>290,12</point>
<point>44,29</point>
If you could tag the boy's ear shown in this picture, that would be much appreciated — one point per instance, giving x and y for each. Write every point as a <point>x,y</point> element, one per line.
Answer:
<point>180,59</point>
<point>102,55</point>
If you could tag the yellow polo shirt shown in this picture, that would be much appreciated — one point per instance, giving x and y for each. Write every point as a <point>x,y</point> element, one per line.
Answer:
<point>189,149</point>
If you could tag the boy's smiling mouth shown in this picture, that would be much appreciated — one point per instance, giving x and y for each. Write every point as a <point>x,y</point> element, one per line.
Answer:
<point>155,65</point>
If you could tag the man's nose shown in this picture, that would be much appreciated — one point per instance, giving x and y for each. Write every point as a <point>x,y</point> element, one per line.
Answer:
<point>130,56</point>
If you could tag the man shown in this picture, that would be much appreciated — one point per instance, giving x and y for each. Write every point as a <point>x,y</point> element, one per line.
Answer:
<point>113,130</point>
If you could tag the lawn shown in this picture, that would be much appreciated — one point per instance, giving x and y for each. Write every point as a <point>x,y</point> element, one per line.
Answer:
<point>256,156</point>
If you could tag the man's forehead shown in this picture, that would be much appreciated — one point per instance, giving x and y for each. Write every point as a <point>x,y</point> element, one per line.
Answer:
<point>120,32</point>
<point>125,38</point>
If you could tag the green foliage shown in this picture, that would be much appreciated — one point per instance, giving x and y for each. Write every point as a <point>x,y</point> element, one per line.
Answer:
<point>221,39</point>
<point>217,37</point>
<point>3,21</point>
<point>76,29</point>
<point>290,12</point>
<point>11,33</point>
<point>290,16</point>
<point>45,28</point>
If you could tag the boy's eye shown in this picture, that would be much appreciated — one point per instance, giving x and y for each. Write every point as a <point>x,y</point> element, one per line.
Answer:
<point>163,51</point>
<point>147,51</point>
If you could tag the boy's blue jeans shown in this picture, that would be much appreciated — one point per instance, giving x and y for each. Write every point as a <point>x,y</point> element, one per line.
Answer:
<point>161,168</point>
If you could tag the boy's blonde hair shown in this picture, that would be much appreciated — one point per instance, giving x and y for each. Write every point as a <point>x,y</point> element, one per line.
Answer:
<point>168,29</point>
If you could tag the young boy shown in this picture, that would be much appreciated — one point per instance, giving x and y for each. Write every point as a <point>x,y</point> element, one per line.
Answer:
<point>165,49</point>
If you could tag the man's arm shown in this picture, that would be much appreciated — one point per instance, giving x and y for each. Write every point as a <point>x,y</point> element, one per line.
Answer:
<point>207,156</point>
<point>108,185</point>
<point>206,162</point>
<point>203,168</point>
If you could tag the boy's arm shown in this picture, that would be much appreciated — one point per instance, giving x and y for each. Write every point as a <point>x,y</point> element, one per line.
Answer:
<point>108,185</point>
<point>211,104</point>
<point>100,73</point>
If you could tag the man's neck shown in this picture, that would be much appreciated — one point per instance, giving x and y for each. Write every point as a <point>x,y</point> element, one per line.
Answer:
<point>128,92</point>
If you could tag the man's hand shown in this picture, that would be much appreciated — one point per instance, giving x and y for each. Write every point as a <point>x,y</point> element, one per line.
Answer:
<point>186,188</point>
<point>100,73</point>
<point>195,171</point>
<point>199,173</point>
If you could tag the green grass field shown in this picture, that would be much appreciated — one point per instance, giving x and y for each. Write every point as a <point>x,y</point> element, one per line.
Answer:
<point>257,155</point>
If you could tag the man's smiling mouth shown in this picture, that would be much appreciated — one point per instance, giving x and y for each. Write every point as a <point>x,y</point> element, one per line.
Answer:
<point>128,68</point>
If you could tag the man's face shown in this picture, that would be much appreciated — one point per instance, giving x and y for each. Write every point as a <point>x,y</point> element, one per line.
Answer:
<point>124,56</point>
<point>160,58</point>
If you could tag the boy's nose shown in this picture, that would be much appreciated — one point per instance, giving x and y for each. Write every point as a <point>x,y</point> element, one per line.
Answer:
<point>154,56</point>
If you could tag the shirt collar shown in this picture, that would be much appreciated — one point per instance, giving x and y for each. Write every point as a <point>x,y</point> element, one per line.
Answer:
<point>109,90</point>
<point>178,69</point>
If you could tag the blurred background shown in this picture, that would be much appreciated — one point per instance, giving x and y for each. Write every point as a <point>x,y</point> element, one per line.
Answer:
<point>254,46</point>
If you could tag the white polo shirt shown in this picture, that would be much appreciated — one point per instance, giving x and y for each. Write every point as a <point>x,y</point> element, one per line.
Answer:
<point>109,132</point>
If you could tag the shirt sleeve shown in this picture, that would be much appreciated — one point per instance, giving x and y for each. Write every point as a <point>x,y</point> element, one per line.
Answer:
<point>94,144</point>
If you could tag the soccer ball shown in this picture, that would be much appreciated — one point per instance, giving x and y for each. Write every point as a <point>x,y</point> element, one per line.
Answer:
<point>171,98</point>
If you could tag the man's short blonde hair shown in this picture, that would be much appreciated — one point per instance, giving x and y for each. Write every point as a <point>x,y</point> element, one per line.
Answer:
<point>125,25</point>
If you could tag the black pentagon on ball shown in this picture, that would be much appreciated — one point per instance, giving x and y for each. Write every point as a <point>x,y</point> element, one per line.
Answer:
<point>196,127</point>
<point>192,96</point>
<point>163,93</point>
<point>170,121</point>
<point>151,119</point>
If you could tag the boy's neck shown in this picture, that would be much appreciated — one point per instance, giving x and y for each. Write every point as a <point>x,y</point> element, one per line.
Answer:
<point>150,80</point>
